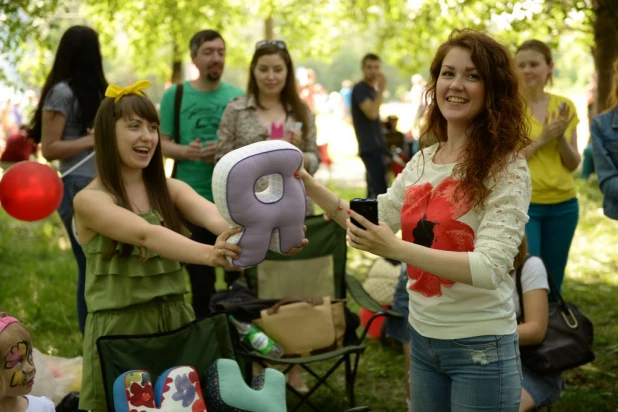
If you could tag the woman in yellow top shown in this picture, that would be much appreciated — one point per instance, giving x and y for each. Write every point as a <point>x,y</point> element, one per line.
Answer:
<point>552,158</point>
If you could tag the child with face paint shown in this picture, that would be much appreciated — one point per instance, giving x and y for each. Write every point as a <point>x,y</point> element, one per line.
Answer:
<point>17,369</point>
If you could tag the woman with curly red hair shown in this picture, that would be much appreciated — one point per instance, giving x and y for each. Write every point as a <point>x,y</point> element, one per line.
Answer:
<point>461,206</point>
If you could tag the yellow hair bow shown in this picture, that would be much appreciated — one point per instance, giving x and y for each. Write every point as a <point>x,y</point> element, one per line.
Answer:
<point>117,92</point>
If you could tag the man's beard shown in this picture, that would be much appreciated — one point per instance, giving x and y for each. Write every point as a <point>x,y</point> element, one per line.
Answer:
<point>214,73</point>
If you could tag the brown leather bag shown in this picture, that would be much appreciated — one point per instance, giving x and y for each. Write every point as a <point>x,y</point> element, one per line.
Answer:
<point>304,325</point>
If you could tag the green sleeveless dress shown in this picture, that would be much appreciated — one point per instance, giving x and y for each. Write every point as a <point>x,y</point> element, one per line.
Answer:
<point>139,294</point>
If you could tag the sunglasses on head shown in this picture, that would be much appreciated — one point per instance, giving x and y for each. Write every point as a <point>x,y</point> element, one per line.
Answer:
<point>277,43</point>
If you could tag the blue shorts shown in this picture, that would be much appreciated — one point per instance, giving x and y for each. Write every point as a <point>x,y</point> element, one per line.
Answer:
<point>398,328</point>
<point>545,390</point>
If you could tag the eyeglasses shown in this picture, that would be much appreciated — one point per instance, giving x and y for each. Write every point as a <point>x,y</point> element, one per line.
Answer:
<point>277,43</point>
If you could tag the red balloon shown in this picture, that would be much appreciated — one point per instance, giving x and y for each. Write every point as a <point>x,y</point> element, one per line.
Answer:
<point>30,191</point>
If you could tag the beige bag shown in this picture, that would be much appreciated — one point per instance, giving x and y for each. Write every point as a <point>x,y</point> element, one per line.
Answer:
<point>381,281</point>
<point>303,325</point>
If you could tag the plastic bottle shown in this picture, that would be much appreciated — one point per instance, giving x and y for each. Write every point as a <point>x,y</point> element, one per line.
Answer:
<point>256,339</point>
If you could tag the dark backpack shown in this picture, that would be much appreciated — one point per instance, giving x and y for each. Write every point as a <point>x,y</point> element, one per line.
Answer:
<point>177,103</point>
<point>240,302</point>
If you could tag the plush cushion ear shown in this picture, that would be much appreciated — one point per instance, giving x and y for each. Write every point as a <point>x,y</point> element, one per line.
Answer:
<point>133,390</point>
<point>270,218</point>
<point>226,391</point>
<point>177,390</point>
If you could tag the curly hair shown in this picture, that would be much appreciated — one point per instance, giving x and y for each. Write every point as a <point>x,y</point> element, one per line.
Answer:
<point>499,131</point>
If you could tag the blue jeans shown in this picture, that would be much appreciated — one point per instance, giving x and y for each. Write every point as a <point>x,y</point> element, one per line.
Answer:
<point>550,231</point>
<point>481,373</point>
<point>544,389</point>
<point>398,328</point>
<point>376,173</point>
<point>72,185</point>
<point>587,162</point>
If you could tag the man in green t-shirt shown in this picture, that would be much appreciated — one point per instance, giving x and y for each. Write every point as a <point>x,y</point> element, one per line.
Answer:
<point>202,105</point>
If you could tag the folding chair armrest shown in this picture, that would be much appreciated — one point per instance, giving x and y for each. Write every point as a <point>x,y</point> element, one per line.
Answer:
<point>365,300</point>
<point>360,295</point>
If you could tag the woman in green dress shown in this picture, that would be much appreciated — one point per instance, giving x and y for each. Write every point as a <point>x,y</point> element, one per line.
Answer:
<point>129,223</point>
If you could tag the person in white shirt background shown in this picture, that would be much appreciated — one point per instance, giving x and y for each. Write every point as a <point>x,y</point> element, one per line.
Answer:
<point>539,390</point>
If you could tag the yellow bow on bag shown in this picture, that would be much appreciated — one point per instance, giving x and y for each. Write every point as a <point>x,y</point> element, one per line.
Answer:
<point>117,92</point>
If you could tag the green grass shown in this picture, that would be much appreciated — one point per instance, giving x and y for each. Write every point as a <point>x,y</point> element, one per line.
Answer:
<point>38,280</point>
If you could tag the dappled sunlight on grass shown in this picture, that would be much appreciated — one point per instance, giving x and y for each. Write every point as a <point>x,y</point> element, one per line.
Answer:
<point>64,243</point>
<point>359,262</point>
<point>38,282</point>
<point>593,253</point>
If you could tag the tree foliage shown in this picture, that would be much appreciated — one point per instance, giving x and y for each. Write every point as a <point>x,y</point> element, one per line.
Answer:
<point>313,28</point>
<point>156,33</point>
<point>23,22</point>
<point>409,32</point>
<point>151,34</point>
<point>150,38</point>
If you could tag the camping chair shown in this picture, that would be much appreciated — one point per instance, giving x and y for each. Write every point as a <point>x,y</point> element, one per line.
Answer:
<point>196,344</point>
<point>319,270</point>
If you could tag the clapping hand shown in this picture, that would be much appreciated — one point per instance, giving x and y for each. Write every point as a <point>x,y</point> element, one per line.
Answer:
<point>556,124</point>
<point>194,150</point>
<point>209,151</point>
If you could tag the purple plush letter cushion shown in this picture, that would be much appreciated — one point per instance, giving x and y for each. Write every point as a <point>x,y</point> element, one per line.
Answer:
<point>254,188</point>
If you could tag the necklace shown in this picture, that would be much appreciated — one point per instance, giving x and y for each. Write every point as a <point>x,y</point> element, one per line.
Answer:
<point>139,209</point>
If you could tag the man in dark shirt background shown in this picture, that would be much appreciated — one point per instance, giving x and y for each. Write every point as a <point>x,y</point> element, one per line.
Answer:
<point>366,100</point>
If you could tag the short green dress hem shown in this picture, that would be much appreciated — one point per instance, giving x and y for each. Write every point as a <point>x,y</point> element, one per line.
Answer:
<point>142,293</point>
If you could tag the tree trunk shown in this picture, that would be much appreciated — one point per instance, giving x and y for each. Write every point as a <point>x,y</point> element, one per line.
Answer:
<point>612,8</point>
<point>176,66</point>
<point>176,71</point>
<point>269,28</point>
<point>605,51</point>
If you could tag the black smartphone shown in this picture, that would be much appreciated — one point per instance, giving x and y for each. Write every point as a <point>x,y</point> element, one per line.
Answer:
<point>368,208</point>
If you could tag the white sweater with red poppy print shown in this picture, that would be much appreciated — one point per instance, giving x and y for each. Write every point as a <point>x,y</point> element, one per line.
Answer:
<point>421,203</point>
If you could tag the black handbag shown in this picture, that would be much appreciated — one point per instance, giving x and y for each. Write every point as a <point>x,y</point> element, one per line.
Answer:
<point>568,342</point>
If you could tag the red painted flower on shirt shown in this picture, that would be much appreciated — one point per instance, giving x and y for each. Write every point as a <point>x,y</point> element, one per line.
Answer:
<point>429,218</point>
